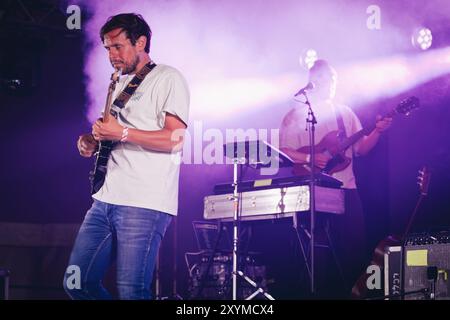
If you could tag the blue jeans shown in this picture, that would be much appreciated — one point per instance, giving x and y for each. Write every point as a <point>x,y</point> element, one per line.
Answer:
<point>129,235</point>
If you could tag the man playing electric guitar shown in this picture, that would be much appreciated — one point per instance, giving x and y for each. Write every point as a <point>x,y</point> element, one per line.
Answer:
<point>348,230</point>
<point>135,203</point>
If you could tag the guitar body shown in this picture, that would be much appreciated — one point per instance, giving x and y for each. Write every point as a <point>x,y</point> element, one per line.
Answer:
<point>331,144</point>
<point>328,145</point>
<point>360,290</point>
<point>97,176</point>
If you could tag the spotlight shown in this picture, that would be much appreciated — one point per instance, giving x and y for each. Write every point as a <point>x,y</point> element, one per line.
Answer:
<point>422,38</point>
<point>307,58</point>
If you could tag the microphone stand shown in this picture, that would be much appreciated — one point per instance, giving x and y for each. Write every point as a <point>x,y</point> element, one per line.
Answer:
<point>311,121</point>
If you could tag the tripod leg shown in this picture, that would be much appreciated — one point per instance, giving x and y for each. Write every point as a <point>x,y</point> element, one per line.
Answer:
<point>333,251</point>
<point>302,248</point>
<point>255,285</point>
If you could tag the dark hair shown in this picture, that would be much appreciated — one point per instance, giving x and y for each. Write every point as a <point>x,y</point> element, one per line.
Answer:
<point>133,25</point>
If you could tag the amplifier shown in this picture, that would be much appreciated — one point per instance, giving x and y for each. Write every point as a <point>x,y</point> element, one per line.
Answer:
<point>393,271</point>
<point>427,265</point>
<point>217,282</point>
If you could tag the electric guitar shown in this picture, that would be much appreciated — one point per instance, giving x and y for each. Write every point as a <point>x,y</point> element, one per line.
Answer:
<point>97,175</point>
<point>360,290</point>
<point>331,144</point>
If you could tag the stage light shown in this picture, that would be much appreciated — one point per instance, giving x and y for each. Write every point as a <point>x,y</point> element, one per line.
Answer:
<point>422,38</point>
<point>307,58</point>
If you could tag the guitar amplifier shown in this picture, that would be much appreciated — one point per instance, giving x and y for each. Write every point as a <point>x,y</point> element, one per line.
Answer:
<point>393,271</point>
<point>427,266</point>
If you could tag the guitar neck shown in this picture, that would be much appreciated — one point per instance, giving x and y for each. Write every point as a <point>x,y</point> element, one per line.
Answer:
<point>107,110</point>
<point>112,86</point>
<point>363,132</point>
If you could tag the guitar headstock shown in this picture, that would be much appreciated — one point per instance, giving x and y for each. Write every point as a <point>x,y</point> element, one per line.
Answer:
<point>407,105</point>
<point>423,180</point>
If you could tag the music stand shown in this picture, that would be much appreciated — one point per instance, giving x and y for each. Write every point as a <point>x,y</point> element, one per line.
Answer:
<point>257,154</point>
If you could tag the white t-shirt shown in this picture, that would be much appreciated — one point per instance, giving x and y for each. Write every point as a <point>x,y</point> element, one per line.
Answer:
<point>294,136</point>
<point>140,177</point>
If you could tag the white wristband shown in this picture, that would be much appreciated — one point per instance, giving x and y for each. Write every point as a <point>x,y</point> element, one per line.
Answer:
<point>124,134</point>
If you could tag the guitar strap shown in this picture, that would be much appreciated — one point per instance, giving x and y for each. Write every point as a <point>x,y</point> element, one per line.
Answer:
<point>121,100</point>
<point>341,128</point>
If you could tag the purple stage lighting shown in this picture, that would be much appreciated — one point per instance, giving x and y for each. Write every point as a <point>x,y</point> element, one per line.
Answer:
<point>422,38</point>
<point>307,58</point>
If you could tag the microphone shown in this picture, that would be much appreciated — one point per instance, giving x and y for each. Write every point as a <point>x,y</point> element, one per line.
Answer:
<point>303,90</point>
